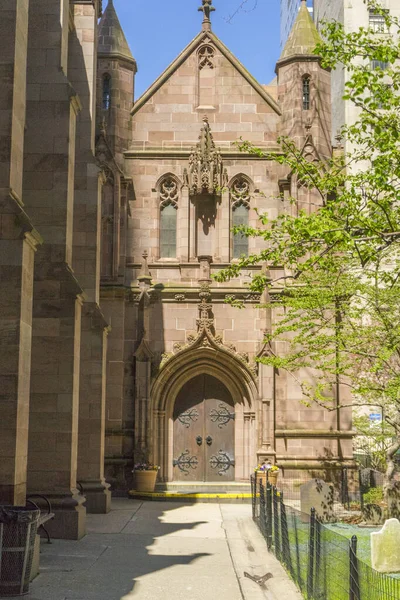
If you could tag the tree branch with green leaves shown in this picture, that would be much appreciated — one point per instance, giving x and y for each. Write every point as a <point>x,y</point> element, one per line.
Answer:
<point>336,306</point>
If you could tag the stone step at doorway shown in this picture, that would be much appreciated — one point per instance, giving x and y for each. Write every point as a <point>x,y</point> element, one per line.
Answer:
<point>227,493</point>
<point>203,487</point>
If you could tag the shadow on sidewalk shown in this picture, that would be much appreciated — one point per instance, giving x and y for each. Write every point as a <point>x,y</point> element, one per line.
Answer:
<point>106,565</point>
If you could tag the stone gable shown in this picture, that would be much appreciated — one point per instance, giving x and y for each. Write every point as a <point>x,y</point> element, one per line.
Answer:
<point>208,80</point>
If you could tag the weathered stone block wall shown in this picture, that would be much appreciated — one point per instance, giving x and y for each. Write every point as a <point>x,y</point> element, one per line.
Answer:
<point>171,117</point>
<point>117,117</point>
<point>143,233</point>
<point>18,241</point>
<point>296,122</point>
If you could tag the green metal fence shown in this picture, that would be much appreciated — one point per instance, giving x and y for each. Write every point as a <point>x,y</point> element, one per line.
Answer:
<point>323,563</point>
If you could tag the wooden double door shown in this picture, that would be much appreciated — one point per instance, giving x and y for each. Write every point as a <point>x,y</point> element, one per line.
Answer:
<point>204,432</point>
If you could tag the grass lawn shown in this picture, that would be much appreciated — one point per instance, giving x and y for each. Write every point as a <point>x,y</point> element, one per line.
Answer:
<point>332,562</point>
<point>363,538</point>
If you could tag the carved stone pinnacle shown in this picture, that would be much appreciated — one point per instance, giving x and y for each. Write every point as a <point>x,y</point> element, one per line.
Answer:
<point>206,9</point>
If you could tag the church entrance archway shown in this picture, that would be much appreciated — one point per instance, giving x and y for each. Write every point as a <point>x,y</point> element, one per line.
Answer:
<point>204,432</point>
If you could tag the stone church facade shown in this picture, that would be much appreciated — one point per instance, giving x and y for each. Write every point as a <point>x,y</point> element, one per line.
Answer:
<point>116,343</point>
<point>203,408</point>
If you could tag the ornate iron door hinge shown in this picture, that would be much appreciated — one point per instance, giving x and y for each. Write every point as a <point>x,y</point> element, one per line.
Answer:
<point>188,417</point>
<point>185,462</point>
<point>222,461</point>
<point>222,415</point>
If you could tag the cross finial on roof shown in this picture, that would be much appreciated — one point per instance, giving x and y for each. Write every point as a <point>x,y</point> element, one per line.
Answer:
<point>206,9</point>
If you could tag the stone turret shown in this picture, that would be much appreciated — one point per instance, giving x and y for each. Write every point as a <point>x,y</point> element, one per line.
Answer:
<point>303,38</point>
<point>304,87</point>
<point>116,77</point>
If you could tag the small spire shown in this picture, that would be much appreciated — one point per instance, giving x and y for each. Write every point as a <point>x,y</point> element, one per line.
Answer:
<point>112,40</point>
<point>206,9</point>
<point>303,37</point>
<point>144,275</point>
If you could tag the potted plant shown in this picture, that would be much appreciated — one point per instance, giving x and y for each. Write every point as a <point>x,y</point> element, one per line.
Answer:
<point>272,475</point>
<point>261,472</point>
<point>144,477</point>
<point>267,472</point>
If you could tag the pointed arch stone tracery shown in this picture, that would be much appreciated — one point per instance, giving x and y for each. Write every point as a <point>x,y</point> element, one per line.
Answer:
<point>204,353</point>
<point>197,359</point>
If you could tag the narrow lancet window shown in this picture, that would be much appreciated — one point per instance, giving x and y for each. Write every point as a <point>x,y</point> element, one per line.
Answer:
<point>240,201</point>
<point>169,195</point>
<point>306,93</point>
<point>106,92</point>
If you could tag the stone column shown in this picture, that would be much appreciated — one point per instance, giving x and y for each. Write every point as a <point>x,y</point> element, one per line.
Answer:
<point>18,241</point>
<point>92,410</point>
<point>192,231</point>
<point>249,438</point>
<point>266,411</point>
<point>54,409</point>
<point>266,438</point>
<point>86,261</point>
<point>48,188</point>
<point>126,193</point>
<point>113,305</point>
<point>143,357</point>
<point>160,451</point>
<point>183,226</point>
<point>224,223</point>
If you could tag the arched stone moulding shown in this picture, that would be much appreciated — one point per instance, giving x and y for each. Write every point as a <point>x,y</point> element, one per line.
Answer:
<point>238,379</point>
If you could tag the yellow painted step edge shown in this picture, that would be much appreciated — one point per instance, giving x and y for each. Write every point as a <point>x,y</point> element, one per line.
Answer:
<point>178,495</point>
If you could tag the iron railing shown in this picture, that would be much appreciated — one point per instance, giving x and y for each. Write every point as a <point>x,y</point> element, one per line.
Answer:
<point>323,563</point>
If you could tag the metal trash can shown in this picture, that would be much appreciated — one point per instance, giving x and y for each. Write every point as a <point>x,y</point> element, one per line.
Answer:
<point>18,527</point>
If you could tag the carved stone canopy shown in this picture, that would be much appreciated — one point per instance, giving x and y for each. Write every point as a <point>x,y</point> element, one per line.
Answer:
<point>205,165</point>
<point>206,337</point>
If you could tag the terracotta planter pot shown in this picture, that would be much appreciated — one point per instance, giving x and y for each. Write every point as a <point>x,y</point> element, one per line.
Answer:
<point>262,476</point>
<point>273,478</point>
<point>144,481</point>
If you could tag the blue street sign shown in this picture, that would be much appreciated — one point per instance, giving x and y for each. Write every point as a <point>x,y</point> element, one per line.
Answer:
<point>375,417</point>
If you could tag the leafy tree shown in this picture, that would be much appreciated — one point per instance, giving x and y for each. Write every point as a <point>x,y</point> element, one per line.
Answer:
<point>337,305</point>
<point>373,441</point>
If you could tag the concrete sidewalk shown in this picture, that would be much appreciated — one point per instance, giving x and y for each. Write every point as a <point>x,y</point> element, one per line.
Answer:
<point>166,551</point>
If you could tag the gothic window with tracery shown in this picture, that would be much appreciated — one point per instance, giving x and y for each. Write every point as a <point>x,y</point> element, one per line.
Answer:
<point>169,196</point>
<point>240,203</point>
<point>106,92</point>
<point>206,57</point>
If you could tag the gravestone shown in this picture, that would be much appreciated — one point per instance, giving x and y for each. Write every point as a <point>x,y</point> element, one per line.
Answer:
<point>385,548</point>
<point>319,495</point>
<point>372,515</point>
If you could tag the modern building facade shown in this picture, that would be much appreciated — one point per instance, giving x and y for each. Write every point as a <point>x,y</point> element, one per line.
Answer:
<point>289,11</point>
<point>352,15</point>
<point>116,344</point>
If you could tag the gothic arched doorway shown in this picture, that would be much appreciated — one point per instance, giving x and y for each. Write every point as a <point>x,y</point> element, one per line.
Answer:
<point>204,431</point>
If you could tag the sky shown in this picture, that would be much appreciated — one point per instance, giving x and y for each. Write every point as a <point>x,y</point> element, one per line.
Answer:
<point>158,30</point>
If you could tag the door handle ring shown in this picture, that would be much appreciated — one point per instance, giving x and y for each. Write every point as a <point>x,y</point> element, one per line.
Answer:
<point>209,440</point>
<point>199,440</point>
